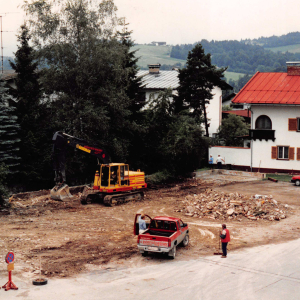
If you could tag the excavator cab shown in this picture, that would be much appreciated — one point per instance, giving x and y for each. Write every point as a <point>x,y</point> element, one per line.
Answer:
<point>112,175</point>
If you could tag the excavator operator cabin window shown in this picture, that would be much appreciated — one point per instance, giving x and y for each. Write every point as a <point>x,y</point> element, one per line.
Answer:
<point>124,175</point>
<point>104,175</point>
<point>114,177</point>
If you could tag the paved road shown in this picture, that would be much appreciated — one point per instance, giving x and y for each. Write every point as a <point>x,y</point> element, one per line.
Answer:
<point>266,272</point>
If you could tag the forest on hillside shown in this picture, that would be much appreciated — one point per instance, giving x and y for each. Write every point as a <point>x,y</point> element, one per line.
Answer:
<point>291,38</point>
<point>240,57</point>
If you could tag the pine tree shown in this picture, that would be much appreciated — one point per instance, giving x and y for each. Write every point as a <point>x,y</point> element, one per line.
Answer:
<point>9,141</point>
<point>196,81</point>
<point>32,114</point>
<point>131,67</point>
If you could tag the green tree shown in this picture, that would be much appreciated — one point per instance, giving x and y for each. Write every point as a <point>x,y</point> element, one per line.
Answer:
<point>173,142</point>
<point>196,82</point>
<point>3,188</point>
<point>231,129</point>
<point>32,115</point>
<point>87,71</point>
<point>9,127</point>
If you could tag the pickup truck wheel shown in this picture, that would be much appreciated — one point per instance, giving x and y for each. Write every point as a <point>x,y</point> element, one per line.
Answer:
<point>297,182</point>
<point>186,240</point>
<point>172,253</point>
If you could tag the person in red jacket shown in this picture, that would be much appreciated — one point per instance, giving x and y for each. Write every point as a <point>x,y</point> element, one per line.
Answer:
<point>225,238</point>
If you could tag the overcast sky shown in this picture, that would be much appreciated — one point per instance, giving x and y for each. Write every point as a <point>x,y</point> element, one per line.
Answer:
<point>184,21</point>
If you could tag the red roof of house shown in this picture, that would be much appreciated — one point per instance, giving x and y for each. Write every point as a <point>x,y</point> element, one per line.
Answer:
<point>242,113</point>
<point>270,88</point>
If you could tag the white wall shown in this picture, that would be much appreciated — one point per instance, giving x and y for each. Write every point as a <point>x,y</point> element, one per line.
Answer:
<point>214,111</point>
<point>233,155</point>
<point>279,116</point>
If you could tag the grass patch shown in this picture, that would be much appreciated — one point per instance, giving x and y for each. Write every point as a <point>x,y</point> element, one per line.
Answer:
<point>203,169</point>
<point>290,48</point>
<point>232,75</point>
<point>279,177</point>
<point>155,54</point>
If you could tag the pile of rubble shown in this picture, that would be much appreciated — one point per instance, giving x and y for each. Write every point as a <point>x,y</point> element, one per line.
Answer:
<point>222,206</point>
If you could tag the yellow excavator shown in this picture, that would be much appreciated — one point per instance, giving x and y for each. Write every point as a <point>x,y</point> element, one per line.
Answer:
<point>113,184</point>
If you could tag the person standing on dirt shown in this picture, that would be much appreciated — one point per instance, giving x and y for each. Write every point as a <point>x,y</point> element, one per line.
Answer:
<point>142,224</point>
<point>219,161</point>
<point>225,239</point>
<point>211,161</point>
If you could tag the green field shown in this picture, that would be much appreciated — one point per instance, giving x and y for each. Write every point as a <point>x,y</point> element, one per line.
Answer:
<point>155,54</point>
<point>234,76</point>
<point>161,54</point>
<point>290,48</point>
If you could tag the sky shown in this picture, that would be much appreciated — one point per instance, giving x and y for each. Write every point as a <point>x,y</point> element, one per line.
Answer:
<point>183,21</point>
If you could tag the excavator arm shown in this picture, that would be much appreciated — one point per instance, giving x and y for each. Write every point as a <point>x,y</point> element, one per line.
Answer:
<point>60,142</point>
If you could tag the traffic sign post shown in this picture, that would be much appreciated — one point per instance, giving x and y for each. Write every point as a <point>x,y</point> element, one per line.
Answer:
<point>9,259</point>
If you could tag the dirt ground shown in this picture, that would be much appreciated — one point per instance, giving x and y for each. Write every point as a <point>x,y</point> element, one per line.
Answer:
<point>67,238</point>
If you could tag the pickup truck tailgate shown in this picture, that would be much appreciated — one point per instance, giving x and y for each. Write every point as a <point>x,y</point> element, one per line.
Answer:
<point>153,242</point>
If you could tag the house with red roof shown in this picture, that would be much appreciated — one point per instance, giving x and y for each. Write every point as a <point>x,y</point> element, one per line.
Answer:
<point>274,100</point>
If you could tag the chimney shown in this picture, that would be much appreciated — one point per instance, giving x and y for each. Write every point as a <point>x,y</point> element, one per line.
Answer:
<point>293,68</point>
<point>154,68</point>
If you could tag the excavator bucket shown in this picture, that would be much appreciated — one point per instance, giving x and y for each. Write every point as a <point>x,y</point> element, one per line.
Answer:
<point>60,192</point>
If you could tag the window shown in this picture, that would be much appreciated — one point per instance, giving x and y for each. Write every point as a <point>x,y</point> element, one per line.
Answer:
<point>283,152</point>
<point>263,122</point>
<point>294,124</point>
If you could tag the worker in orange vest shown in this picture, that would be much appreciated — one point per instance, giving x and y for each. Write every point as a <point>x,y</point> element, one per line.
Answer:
<point>225,238</point>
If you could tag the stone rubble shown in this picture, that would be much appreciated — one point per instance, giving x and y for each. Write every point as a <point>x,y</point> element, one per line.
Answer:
<point>223,206</point>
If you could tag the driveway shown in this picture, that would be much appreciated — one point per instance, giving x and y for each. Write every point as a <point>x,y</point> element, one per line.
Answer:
<point>265,272</point>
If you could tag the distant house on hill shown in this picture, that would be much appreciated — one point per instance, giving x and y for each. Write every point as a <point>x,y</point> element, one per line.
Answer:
<point>159,43</point>
<point>274,100</point>
<point>155,80</point>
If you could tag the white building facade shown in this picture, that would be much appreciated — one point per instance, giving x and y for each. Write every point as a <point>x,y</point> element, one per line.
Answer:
<point>274,99</point>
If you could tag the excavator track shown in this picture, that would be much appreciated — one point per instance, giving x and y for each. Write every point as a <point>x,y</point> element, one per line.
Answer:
<point>117,199</point>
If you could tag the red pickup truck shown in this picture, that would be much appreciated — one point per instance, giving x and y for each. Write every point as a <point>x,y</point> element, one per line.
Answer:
<point>163,235</point>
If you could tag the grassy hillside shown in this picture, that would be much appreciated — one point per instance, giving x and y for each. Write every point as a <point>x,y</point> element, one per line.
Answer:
<point>161,54</point>
<point>234,76</point>
<point>291,48</point>
<point>155,54</point>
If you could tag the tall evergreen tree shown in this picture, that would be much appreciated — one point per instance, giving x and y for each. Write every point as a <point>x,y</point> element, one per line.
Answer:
<point>196,82</point>
<point>31,113</point>
<point>9,141</point>
<point>131,67</point>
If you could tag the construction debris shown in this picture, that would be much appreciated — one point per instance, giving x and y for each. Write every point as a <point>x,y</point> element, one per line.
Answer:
<point>221,206</point>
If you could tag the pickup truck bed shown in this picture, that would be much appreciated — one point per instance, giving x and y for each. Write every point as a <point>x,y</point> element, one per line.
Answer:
<point>158,233</point>
<point>163,235</point>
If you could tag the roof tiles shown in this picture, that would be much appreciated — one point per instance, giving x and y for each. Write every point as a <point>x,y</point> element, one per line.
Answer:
<point>270,88</point>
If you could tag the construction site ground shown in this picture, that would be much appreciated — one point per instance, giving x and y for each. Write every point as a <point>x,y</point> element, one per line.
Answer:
<point>62,239</point>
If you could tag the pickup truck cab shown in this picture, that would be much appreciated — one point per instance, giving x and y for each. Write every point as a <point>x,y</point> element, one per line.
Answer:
<point>163,235</point>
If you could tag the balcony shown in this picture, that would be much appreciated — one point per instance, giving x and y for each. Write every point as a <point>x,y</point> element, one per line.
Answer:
<point>262,134</point>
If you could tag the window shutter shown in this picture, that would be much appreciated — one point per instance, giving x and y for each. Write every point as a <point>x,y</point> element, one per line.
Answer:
<point>292,124</point>
<point>274,153</point>
<point>291,153</point>
<point>298,153</point>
